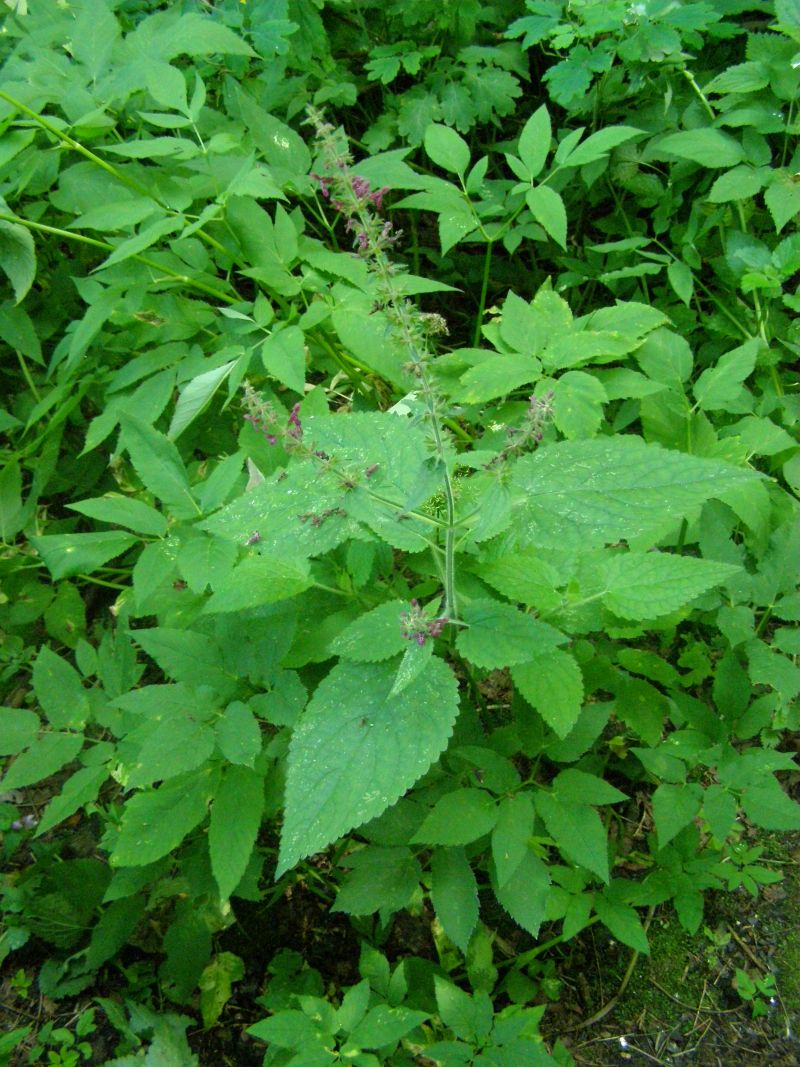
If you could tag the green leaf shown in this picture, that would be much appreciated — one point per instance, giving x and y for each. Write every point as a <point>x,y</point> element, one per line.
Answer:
<point>447,149</point>
<point>740,183</point>
<point>133,246</point>
<point>578,404</point>
<point>195,396</point>
<point>524,894</point>
<point>375,636</point>
<point>525,578</point>
<point>719,811</point>
<point>379,879</point>
<point>468,1017</point>
<point>499,635</point>
<point>454,893</point>
<point>159,465</point>
<point>458,818</point>
<point>182,653</point>
<point>260,580</point>
<point>59,690</point>
<point>415,660</point>
<point>216,985</point>
<point>783,198</point>
<point>65,555</point>
<point>766,804</point>
<point>17,258</point>
<point>204,561</point>
<point>284,357</point>
<point>353,723</point>
<point>577,832</point>
<point>384,1025</point>
<point>599,144</point>
<point>722,384</point>
<point>547,207</point>
<point>80,789</point>
<point>174,742</point>
<point>578,787</point>
<point>534,141</point>
<point>18,728</point>
<point>641,707</point>
<point>155,822</point>
<point>707,147</point>
<point>194,34</point>
<point>498,376</point>
<point>12,516</point>
<point>623,922</point>
<point>234,825</point>
<point>238,734</point>
<point>644,585</point>
<point>674,807</point>
<point>124,511</point>
<point>511,834</point>
<point>681,279</point>
<point>44,756</point>
<point>581,493</point>
<point>552,683</point>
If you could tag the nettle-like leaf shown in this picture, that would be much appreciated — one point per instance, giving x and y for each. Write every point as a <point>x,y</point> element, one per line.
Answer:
<point>356,750</point>
<point>584,493</point>
<point>375,636</point>
<point>552,683</point>
<point>499,635</point>
<point>644,585</point>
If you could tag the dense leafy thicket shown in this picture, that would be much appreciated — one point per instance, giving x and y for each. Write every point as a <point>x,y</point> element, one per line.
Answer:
<point>423,490</point>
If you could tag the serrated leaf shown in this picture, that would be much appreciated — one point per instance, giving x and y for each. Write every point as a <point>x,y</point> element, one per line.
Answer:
<point>766,804</point>
<point>578,404</point>
<point>722,384</point>
<point>681,279</point>
<point>577,832</point>
<point>374,636</point>
<point>523,577</point>
<point>552,683</point>
<point>284,357</point>
<point>146,238</point>
<point>155,822</point>
<point>600,144</point>
<point>499,635</point>
<point>414,661</point>
<point>66,555</point>
<point>458,818</point>
<point>547,207</point>
<point>174,743</point>
<point>454,894</point>
<point>534,141</point>
<point>238,734</point>
<point>204,561</point>
<point>44,756</point>
<point>644,585</point>
<point>260,580</point>
<point>124,511</point>
<point>708,147</point>
<point>674,807</point>
<point>511,834</point>
<point>578,787</point>
<point>18,728</point>
<point>194,397</point>
<point>783,198</point>
<point>524,895</point>
<point>447,149</point>
<point>59,690</point>
<point>384,1025</point>
<point>80,789</point>
<point>17,257</point>
<point>379,878</point>
<point>234,824</point>
<point>356,750</point>
<point>498,376</point>
<point>159,465</point>
<point>584,493</point>
<point>623,922</point>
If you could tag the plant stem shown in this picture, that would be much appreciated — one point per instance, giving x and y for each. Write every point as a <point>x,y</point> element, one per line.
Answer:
<point>487,263</point>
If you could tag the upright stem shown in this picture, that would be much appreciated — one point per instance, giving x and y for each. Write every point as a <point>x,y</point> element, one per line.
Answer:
<point>487,264</point>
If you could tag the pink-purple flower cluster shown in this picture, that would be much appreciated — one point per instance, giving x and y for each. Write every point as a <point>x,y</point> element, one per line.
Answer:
<point>417,627</point>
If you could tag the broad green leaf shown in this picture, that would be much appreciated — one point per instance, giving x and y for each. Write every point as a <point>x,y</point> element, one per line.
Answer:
<point>499,635</point>
<point>216,985</point>
<point>181,654</point>
<point>18,728</point>
<point>204,561</point>
<point>583,493</point>
<point>577,832</point>
<point>524,894</point>
<point>12,516</point>
<point>521,327</point>
<point>174,742</point>
<point>740,183</point>
<point>681,279</point>
<point>284,357</point>
<point>65,555</point>
<point>644,585</point>
<point>118,215</point>
<point>123,511</point>
<point>238,734</point>
<point>44,756</point>
<point>17,257</point>
<point>599,144</point>
<point>260,580</point>
<point>547,207</point>
<point>641,707</point>
<point>59,690</point>
<point>783,198</point>
<point>195,34</point>
<point>447,149</point>
<point>374,636</point>
<point>674,807</point>
<point>722,384</point>
<point>133,246</point>
<point>552,683</point>
<point>666,357</point>
<point>766,804</point>
<point>384,1025</point>
<point>80,789</point>
<point>414,661</point>
<point>578,404</point>
<point>534,141</point>
<point>155,822</point>
<point>195,396</point>
<point>623,922</point>
<point>458,818</point>
<point>454,893</point>
<point>525,578</point>
<point>577,787</point>
<point>233,828</point>
<point>511,834</point>
<point>498,376</point>
<point>708,147</point>
<point>356,750</point>
<point>768,667</point>
<point>159,465</point>
<point>379,878</point>
<point>719,811</point>
<point>469,1017</point>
